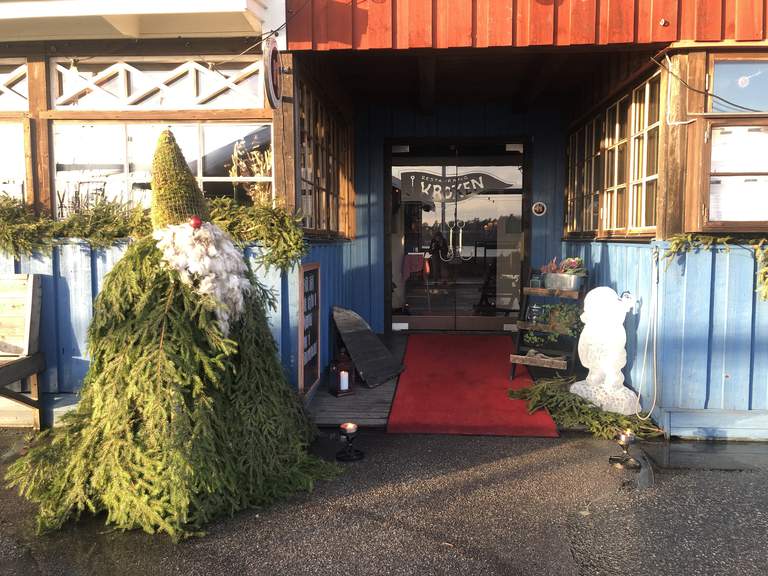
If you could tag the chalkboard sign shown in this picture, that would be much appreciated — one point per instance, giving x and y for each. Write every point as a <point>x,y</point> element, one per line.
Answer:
<point>309,327</point>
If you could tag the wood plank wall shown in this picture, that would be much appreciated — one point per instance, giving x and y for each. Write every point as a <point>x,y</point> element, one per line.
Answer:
<point>367,24</point>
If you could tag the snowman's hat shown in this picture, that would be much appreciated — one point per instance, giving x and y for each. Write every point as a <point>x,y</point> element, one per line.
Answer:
<point>175,193</point>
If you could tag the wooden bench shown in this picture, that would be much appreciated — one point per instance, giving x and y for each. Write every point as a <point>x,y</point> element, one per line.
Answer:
<point>20,358</point>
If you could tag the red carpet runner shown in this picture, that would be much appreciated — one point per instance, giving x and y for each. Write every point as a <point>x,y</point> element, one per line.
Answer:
<point>458,384</point>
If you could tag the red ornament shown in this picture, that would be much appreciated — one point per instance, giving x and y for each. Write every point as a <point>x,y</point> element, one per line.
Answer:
<point>195,222</point>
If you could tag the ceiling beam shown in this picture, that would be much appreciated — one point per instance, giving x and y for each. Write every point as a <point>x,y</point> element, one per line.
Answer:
<point>128,25</point>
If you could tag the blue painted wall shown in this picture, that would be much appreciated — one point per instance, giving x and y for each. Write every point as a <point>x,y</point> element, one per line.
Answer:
<point>712,350</point>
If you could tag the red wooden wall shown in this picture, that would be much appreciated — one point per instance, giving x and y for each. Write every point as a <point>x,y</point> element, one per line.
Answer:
<point>365,24</point>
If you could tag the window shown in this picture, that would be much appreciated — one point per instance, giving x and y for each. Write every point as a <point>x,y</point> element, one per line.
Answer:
<point>738,174</point>
<point>325,144</point>
<point>741,86</point>
<point>613,167</point>
<point>645,153</point>
<point>13,171</point>
<point>228,159</point>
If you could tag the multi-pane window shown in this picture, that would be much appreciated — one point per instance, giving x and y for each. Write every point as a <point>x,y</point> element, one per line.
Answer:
<point>613,165</point>
<point>13,171</point>
<point>325,165</point>
<point>228,159</point>
<point>645,153</point>
<point>585,178</point>
<point>614,207</point>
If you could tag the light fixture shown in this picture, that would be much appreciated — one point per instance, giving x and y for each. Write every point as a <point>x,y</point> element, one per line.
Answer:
<point>349,453</point>
<point>624,460</point>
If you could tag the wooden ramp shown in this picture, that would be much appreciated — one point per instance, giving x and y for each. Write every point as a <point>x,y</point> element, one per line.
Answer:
<point>368,407</point>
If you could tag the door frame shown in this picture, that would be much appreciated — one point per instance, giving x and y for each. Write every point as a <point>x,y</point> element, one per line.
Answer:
<point>527,165</point>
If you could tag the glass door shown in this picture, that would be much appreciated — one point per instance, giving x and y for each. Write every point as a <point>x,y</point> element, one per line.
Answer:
<point>457,240</point>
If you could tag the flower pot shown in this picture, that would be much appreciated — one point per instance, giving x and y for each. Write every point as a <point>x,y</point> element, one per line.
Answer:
<point>563,281</point>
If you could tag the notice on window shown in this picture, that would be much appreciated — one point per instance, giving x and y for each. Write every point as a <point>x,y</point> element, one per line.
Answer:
<point>738,198</point>
<point>739,149</point>
<point>309,326</point>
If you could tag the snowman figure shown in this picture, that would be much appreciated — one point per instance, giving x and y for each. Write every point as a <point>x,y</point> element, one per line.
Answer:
<point>601,350</point>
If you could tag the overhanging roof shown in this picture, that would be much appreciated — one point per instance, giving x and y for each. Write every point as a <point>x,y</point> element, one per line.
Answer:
<point>26,20</point>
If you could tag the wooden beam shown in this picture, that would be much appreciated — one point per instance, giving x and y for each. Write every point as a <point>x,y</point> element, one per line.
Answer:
<point>127,24</point>
<point>260,114</point>
<point>284,139</point>
<point>37,77</point>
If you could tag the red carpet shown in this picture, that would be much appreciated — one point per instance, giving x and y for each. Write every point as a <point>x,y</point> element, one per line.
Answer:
<point>458,384</point>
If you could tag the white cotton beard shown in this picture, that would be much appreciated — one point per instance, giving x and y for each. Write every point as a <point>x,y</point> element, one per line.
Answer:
<point>208,261</point>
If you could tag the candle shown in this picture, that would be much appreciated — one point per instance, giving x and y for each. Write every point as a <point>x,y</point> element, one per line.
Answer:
<point>349,427</point>
<point>343,380</point>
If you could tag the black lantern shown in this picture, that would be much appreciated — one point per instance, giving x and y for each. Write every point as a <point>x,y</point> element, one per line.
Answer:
<point>343,375</point>
<point>349,453</point>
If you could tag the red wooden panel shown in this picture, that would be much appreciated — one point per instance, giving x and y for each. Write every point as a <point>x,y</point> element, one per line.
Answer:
<point>708,20</point>
<point>522,22</point>
<point>666,10</point>
<point>643,14</point>
<point>400,14</point>
<point>563,23</point>
<point>482,24</point>
<point>419,23</point>
<point>582,16</point>
<point>542,22</point>
<point>729,19</point>
<point>299,28</point>
<point>338,18</point>
<point>319,24</point>
<point>749,19</point>
<point>687,19</point>
<point>453,23</point>
<point>501,22</point>
<point>372,24</point>
<point>620,25</point>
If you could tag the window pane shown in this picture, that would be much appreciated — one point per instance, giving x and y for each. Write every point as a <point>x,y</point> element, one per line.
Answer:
<point>621,164</point>
<point>738,198</point>
<point>610,127</point>
<point>237,150</point>
<point>12,161</point>
<point>87,169</point>
<point>739,149</point>
<point>652,165</point>
<point>638,109</point>
<point>623,118</point>
<point>638,149</point>
<point>654,86</point>
<point>742,82</point>
<point>610,166</point>
<point>598,135</point>
<point>637,205</point>
<point>595,210</point>
<point>650,203</point>
<point>621,207</point>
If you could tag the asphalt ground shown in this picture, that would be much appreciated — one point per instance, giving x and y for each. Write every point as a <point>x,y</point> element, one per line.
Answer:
<point>439,505</point>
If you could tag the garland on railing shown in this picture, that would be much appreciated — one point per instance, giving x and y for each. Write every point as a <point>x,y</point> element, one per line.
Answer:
<point>684,243</point>
<point>22,232</point>
<point>571,411</point>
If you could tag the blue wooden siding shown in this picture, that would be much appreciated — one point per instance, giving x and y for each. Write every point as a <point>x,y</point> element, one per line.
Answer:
<point>712,335</point>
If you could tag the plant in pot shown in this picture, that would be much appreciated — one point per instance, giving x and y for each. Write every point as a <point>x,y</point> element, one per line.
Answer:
<point>569,274</point>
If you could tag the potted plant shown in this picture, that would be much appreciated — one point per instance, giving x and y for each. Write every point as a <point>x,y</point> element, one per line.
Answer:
<point>567,275</point>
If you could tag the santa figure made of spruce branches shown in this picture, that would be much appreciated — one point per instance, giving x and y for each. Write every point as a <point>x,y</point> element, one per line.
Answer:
<point>185,413</point>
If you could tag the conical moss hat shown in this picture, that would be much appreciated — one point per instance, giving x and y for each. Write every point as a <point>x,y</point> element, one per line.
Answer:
<point>175,193</point>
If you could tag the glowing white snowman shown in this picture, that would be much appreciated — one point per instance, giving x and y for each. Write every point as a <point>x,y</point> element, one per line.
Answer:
<point>601,350</point>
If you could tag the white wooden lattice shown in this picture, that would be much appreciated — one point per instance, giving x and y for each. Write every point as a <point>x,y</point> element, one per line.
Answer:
<point>13,89</point>
<point>189,85</point>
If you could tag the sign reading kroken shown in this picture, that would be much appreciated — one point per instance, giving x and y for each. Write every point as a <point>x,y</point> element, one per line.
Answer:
<point>441,188</point>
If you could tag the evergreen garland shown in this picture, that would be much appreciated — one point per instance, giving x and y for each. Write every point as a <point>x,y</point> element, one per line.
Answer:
<point>176,424</point>
<point>572,412</point>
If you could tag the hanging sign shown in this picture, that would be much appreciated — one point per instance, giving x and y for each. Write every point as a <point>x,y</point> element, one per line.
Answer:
<point>441,188</point>
<point>309,327</point>
<point>273,79</point>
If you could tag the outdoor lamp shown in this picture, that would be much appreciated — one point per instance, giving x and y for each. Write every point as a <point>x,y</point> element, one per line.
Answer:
<point>343,376</point>
<point>625,439</point>
<point>349,453</point>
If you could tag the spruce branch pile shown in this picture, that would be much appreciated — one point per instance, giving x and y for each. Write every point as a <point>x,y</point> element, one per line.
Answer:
<point>572,411</point>
<point>178,423</point>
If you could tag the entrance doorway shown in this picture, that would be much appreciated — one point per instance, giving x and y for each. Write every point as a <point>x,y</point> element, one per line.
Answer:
<point>457,235</point>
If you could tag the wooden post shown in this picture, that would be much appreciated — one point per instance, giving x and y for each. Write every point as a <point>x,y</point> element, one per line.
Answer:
<point>37,73</point>
<point>284,137</point>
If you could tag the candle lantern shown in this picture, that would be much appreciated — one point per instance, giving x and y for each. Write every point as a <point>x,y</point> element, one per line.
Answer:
<point>343,375</point>
<point>349,453</point>
<point>625,439</point>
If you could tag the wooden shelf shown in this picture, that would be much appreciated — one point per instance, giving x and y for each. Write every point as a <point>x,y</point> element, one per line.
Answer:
<point>572,294</point>
<point>554,363</point>
<point>533,326</point>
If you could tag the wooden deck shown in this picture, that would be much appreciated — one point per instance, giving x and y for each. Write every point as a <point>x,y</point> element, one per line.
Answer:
<point>368,407</point>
